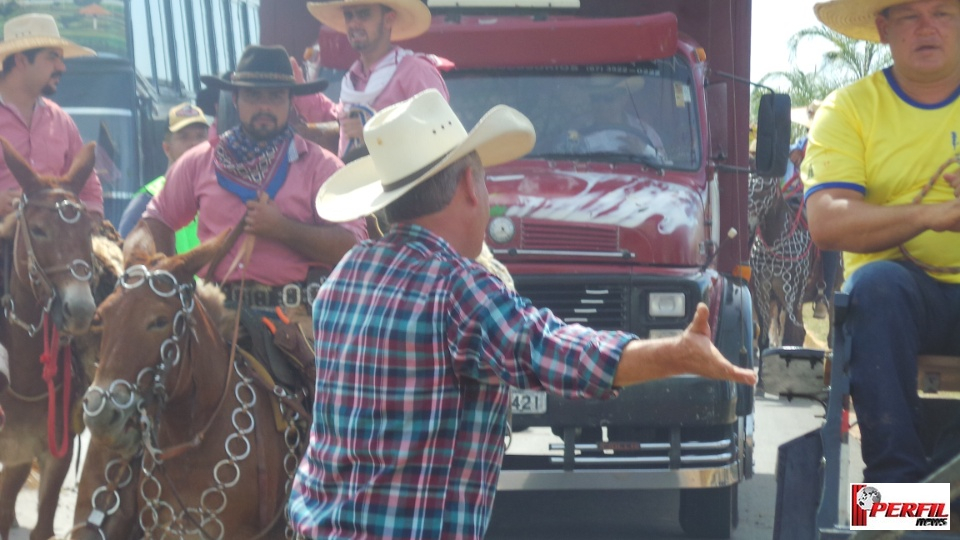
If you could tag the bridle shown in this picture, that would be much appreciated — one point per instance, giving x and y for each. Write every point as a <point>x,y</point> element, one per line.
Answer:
<point>70,210</point>
<point>226,473</point>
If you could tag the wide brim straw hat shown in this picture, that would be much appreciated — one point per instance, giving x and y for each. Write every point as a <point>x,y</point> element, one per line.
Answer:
<point>264,67</point>
<point>854,18</point>
<point>413,16</point>
<point>37,31</point>
<point>412,141</point>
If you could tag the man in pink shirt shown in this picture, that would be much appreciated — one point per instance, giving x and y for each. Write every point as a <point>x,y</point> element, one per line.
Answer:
<point>259,176</point>
<point>385,73</point>
<point>32,54</point>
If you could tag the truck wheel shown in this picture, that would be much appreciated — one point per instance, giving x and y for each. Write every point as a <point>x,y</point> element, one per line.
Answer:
<point>709,512</point>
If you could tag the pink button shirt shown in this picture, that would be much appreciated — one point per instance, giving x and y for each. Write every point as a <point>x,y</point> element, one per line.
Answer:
<point>49,145</point>
<point>414,75</point>
<point>192,187</point>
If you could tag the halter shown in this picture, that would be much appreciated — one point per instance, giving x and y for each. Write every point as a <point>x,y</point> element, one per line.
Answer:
<point>70,212</point>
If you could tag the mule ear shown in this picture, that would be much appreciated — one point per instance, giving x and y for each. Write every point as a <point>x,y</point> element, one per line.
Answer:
<point>21,170</point>
<point>139,246</point>
<point>81,168</point>
<point>192,261</point>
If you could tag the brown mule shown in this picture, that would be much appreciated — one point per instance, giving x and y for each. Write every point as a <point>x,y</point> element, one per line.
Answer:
<point>186,442</point>
<point>48,271</point>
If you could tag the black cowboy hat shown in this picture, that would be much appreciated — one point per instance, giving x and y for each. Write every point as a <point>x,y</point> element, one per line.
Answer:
<point>264,67</point>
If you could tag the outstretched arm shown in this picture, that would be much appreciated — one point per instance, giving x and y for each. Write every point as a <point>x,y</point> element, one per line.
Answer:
<point>690,353</point>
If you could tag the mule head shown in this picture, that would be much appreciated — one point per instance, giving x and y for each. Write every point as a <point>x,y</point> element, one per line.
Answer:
<point>151,328</point>
<point>54,258</point>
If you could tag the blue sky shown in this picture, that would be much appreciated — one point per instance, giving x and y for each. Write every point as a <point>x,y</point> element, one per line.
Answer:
<point>774,21</point>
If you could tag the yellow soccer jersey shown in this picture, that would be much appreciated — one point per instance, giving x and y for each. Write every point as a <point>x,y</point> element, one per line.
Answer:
<point>871,138</point>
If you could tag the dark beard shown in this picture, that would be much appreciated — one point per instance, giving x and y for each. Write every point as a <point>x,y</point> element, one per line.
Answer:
<point>259,134</point>
<point>48,90</point>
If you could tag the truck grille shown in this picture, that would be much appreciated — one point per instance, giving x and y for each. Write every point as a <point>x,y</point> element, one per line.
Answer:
<point>600,306</point>
<point>552,236</point>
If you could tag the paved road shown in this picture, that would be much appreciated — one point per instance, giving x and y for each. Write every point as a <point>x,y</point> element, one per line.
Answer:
<point>592,515</point>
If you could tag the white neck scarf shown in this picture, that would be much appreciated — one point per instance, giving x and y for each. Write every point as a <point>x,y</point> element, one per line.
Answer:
<point>380,76</point>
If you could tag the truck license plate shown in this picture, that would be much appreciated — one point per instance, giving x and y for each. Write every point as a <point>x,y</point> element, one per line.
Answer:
<point>528,401</point>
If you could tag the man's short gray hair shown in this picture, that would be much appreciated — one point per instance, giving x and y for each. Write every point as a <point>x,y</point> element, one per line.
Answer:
<point>433,194</point>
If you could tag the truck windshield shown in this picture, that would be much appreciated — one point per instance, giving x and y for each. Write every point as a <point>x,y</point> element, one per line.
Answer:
<point>644,112</point>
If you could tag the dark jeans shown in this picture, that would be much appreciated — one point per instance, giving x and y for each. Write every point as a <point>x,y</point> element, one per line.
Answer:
<point>897,312</point>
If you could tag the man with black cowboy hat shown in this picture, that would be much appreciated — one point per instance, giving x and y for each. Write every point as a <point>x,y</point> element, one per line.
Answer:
<point>32,54</point>
<point>385,73</point>
<point>881,182</point>
<point>260,177</point>
<point>417,344</point>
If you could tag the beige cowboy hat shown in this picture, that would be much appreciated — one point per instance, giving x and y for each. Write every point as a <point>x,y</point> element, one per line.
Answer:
<point>37,31</point>
<point>854,18</point>
<point>413,16</point>
<point>410,142</point>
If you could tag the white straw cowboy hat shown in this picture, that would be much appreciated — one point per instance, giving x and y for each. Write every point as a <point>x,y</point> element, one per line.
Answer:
<point>413,16</point>
<point>854,18</point>
<point>37,31</point>
<point>410,142</point>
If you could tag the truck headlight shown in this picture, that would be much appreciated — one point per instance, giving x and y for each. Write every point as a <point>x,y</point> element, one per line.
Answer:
<point>668,304</point>
<point>501,229</point>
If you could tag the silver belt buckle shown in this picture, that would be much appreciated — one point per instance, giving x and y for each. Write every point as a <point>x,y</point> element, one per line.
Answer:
<point>291,295</point>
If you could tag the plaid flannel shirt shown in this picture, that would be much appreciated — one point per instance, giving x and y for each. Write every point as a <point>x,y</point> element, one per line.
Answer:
<point>417,347</point>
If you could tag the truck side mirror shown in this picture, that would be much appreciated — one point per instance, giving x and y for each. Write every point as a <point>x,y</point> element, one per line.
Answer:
<point>773,135</point>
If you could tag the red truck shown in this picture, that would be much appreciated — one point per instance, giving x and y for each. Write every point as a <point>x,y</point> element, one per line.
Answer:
<point>617,219</point>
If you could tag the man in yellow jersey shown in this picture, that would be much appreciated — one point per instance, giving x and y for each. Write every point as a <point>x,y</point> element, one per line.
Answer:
<point>187,127</point>
<point>875,148</point>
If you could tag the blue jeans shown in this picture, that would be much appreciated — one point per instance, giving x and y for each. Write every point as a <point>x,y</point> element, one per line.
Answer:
<point>897,312</point>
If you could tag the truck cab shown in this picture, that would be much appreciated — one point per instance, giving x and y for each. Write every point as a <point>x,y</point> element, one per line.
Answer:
<point>614,221</point>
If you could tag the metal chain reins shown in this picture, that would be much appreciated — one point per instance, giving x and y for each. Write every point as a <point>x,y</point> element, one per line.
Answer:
<point>787,257</point>
<point>158,518</point>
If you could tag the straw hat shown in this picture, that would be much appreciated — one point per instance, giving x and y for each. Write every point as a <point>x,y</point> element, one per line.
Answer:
<point>37,31</point>
<point>410,142</point>
<point>854,18</point>
<point>264,67</point>
<point>413,16</point>
<point>184,115</point>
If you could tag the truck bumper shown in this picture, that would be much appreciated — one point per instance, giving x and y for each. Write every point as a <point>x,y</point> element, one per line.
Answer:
<point>601,479</point>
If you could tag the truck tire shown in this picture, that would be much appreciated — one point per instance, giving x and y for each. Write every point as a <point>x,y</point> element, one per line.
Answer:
<point>709,512</point>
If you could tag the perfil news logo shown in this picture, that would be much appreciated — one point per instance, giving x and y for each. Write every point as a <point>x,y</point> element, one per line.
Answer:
<point>900,507</point>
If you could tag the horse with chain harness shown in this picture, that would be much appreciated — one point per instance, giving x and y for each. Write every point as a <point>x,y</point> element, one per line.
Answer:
<point>192,429</point>
<point>783,261</point>
<point>48,270</point>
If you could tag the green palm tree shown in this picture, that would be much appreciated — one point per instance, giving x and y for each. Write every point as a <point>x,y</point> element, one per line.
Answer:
<point>849,59</point>
<point>846,61</point>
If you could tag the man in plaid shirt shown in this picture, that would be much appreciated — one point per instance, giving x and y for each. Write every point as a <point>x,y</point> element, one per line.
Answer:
<point>418,345</point>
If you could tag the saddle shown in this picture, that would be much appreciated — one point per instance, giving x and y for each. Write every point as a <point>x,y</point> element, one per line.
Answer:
<point>282,349</point>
